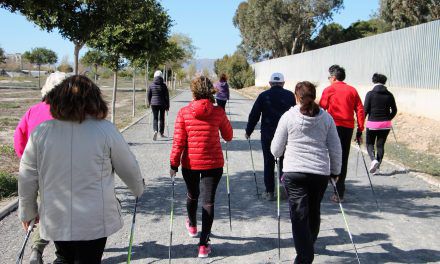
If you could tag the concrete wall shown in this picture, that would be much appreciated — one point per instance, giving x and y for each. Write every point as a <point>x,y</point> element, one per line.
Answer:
<point>409,57</point>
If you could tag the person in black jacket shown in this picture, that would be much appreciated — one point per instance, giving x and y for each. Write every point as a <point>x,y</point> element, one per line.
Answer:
<point>159,100</point>
<point>270,105</point>
<point>380,107</point>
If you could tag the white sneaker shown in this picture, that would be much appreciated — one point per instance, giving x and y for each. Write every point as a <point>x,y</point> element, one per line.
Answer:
<point>155,136</point>
<point>374,165</point>
<point>35,257</point>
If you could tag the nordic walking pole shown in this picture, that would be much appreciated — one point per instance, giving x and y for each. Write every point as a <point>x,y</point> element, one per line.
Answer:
<point>253,166</point>
<point>278,205</point>
<point>357,162</point>
<point>26,238</point>
<point>133,222</point>
<point>168,125</point>
<point>171,221</point>
<point>345,219</point>
<point>398,146</point>
<point>227,186</point>
<point>368,174</point>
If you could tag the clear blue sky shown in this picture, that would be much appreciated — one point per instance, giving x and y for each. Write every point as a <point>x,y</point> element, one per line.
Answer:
<point>207,22</point>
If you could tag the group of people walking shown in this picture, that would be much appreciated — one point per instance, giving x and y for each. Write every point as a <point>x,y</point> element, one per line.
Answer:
<point>70,156</point>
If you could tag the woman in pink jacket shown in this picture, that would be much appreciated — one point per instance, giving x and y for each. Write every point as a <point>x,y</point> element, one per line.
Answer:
<point>36,114</point>
<point>33,117</point>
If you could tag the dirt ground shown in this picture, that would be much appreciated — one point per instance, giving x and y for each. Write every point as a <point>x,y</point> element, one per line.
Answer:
<point>418,133</point>
<point>15,102</point>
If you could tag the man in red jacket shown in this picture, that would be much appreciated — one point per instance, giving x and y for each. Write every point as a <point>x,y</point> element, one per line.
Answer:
<point>341,101</point>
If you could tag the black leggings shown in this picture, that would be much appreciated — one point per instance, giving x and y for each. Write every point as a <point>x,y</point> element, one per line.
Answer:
<point>79,252</point>
<point>209,180</point>
<point>378,137</point>
<point>158,112</point>
<point>345,135</point>
<point>305,192</point>
<point>221,103</point>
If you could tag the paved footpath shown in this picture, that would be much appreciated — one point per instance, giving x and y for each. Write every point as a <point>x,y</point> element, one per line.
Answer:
<point>405,231</point>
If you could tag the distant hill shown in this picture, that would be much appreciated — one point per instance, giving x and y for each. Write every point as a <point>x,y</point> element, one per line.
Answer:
<point>202,64</point>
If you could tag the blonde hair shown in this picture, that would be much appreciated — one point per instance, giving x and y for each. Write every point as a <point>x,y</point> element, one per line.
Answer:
<point>202,88</point>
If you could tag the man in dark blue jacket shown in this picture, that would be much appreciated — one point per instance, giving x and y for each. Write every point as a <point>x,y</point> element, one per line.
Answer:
<point>270,105</point>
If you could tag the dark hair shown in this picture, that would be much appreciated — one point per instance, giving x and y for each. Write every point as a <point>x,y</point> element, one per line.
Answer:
<point>379,78</point>
<point>202,88</point>
<point>76,97</point>
<point>223,77</point>
<point>337,71</point>
<point>305,92</point>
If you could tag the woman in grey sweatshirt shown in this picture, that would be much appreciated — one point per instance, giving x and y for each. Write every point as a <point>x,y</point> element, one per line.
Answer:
<point>306,135</point>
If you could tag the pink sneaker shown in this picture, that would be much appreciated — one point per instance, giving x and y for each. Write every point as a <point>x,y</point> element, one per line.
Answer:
<point>204,251</point>
<point>192,230</point>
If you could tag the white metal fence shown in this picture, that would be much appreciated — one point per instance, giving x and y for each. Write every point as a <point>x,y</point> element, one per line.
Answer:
<point>409,57</point>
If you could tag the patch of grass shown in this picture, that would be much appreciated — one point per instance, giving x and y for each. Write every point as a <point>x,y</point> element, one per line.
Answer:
<point>9,105</point>
<point>141,107</point>
<point>7,150</point>
<point>413,160</point>
<point>9,121</point>
<point>8,185</point>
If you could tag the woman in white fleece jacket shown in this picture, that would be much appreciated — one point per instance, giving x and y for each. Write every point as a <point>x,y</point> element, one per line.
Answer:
<point>306,135</point>
<point>71,162</point>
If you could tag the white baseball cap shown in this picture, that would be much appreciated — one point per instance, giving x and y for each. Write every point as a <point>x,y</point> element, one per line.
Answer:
<point>52,80</point>
<point>157,73</point>
<point>276,77</point>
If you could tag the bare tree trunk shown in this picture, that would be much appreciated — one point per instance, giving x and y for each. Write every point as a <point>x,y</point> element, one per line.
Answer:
<point>96,73</point>
<point>165,76</point>
<point>303,47</point>
<point>147,75</point>
<point>171,79</point>
<point>174,81</point>
<point>78,47</point>
<point>294,45</point>
<point>115,82</point>
<point>39,76</point>
<point>134,92</point>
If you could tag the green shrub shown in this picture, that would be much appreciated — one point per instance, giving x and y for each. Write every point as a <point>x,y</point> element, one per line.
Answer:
<point>65,68</point>
<point>105,74</point>
<point>237,68</point>
<point>7,150</point>
<point>125,74</point>
<point>8,185</point>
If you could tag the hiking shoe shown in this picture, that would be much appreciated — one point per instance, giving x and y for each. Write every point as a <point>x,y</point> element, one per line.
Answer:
<point>192,230</point>
<point>204,251</point>
<point>36,257</point>
<point>155,136</point>
<point>374,165</point>
<point>269,196</point>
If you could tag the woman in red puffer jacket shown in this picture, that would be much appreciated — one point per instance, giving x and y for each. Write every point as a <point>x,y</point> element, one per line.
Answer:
<point>197,147</point>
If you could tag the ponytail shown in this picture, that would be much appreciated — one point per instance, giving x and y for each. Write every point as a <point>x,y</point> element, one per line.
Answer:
<point>306,94</point>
